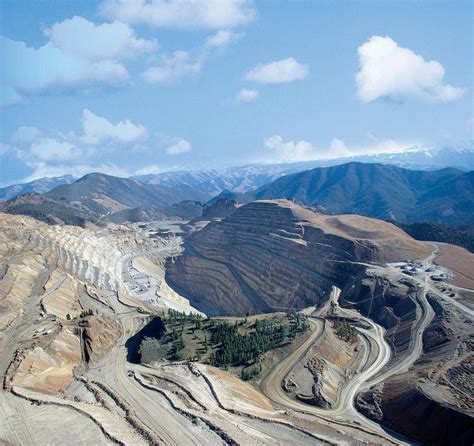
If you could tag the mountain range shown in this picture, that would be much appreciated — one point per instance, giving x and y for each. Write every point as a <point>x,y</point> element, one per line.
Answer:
<point>380,191</point>
<point>376,190</point>
<point>210,182</point>
<point>39,186</point>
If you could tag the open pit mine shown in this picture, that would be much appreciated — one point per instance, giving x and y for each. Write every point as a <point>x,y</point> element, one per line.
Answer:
<point>256,324</point>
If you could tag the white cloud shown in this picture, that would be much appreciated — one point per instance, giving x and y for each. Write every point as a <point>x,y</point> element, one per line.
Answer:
<point>98,129</point>
<point>290,151</point>
<point>214,14</point>
<point>148,170</point>
<point>179,147</point>
<point>245,95</point>
<point>183,63</point>
<point>388,70</point>
<point>385,146</point>
<point>25,134</point>
<point>338,148</point>
<point>5,148</point>
<point>77,52</point>
<point>50,149</point>
<point>84,39</point>
<point>282,71</point>
<point>176,66</point>
<point>103,146</point>
<point>222,39</point>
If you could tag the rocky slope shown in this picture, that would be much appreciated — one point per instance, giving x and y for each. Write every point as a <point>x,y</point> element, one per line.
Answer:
<point>49,210</point>
<point>101,193</point>
<point>430,400</point>
<point>377,190</point>
<point>300,256</point>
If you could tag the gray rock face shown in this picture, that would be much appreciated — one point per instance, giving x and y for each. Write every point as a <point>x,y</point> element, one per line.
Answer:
<point>276,255</point>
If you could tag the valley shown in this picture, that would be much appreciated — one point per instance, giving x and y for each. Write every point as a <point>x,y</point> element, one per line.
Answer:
<point>375,316</point>
<point>236,223</point>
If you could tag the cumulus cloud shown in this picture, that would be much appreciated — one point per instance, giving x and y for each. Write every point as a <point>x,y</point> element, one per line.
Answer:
<point>383,145</point>
<point>173,67</point>
<point>184,63</point>
<point>5,148</point>
<point>179,147</point>
<point>204,14</point>
<point>279,72</point>
<point>102,146</point>
<point>47,149</point>
<point>222,39</point>
<point>69,59</point>
<point>390,71</point>
<point>338,148</point>
<point>26,134</point>
<point>245,95</point>
<point>8,95</point>
<point>109,40</point>
<point>148,170</point>
<point>98,129</point>
<point>290,150</point>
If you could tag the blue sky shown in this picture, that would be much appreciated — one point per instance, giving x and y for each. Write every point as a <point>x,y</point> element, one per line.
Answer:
<point>140,86</point>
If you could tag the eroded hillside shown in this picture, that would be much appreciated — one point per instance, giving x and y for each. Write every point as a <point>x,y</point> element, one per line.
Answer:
<point>71,298</point>
<point>381,331</point>
<point>300,256</point>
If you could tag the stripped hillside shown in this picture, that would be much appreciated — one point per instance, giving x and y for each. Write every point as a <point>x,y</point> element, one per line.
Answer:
<point>301,255</point>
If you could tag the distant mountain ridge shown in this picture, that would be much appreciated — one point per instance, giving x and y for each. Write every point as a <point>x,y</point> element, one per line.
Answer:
<point>48,210</point>
<point>104,194</point>
<point>96,198</point>
<point>381,191</point>
<point>208,183</point>
<point>38,186</point>
<point>377,190</point>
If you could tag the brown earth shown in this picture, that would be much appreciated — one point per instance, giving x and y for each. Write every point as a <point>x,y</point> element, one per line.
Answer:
<point>460,261</point>
<point>273,255</point>
<point>99,334</point>
<point>49,368</point>
<point>432,401</point>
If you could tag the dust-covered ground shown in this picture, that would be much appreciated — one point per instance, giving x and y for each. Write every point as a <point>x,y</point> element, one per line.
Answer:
<point>71,298</point>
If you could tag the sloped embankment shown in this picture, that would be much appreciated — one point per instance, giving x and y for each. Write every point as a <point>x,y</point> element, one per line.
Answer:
<point>276,255</point>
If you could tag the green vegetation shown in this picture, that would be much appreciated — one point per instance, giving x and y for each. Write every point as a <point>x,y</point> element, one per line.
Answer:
<point>247,375</point>
<point>461,236</point>
<point>345,330</point>
<point>48,211</point>
<point>236,344</point>
<point>85,313</point>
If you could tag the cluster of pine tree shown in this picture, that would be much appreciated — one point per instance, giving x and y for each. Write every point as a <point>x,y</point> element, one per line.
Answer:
<point>247,375</point>
<point>244,349</point>
<point>177,347</point>
<point>345,330</point>
<point>86,313</point>
<point>180,317</point>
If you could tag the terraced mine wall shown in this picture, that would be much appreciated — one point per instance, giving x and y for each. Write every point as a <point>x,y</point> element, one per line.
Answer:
<point>256,260</point>
<point>432,401</point>
<point>389,304</point>
<point>270,256</point>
